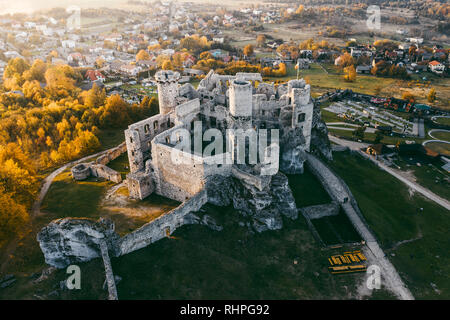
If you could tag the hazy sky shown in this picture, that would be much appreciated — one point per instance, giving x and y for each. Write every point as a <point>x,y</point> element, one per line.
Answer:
<point>28,6</point>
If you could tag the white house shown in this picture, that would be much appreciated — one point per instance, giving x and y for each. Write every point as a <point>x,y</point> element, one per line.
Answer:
<point>68,44</point>
<point>436,67</point>
<point>131,70</point>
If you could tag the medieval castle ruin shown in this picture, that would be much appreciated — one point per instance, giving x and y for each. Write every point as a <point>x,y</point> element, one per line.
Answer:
<point>259,191</point>
<point>223,103</point>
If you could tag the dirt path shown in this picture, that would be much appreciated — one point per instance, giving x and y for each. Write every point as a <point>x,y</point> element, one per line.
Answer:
<point>11,246</point>
<point>49,179</point>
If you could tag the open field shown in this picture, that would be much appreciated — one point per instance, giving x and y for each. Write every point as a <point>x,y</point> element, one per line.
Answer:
<point>430,176</point>
<point>412,231</point>
<point>327,77</point>
<point>443,120</point>
<point>69,198</point>
<point>442,135</point>
<point>232,264</point>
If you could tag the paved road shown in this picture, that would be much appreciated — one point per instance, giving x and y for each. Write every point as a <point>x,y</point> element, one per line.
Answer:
<point>368,130</point>
<point>396,173</point>
<point>346,143</point>
<point>49,179</point>
<point>421,129</point>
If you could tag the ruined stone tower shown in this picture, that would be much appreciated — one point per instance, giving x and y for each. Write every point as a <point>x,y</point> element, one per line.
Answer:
<point>302,108</point>
<point>240,95</point>
<point>167,81</point>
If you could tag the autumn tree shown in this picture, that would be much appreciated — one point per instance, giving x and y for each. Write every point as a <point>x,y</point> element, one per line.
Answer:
<point>346,60</point>
<point>408,96</point>
<point>13,74</point>
<point>36,72</point>
<point>385,44</point>
<point>161,59</point>
<point>261,40</point>
<point>13,216</point>
<point>431,97</point>
<point>115,113</point>
<point>300,9</point>
<point>206,55</point>
<point>100,62</point>
<point>350,73</point>
<point>167,65</point>
<point>142,55</point>
<point>60,80</point>
<point>94,97</point>
<point>248,50</point>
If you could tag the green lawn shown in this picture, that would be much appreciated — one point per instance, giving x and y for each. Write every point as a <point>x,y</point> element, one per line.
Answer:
<point>307,190</point>
<point>121,164</point>
<point>232,264</point>
<point>395,215</point>
<point>69,198</point>
<point>444,121</point>
<point>336,229</point>
<point>111,138</point>
<point>442,135</point>
<point>328,116</point>
<point>432,178</point>
<point>320,79</point>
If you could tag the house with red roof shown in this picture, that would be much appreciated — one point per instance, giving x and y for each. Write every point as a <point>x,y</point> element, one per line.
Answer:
<point>436,67</point>
<point>94,75</point>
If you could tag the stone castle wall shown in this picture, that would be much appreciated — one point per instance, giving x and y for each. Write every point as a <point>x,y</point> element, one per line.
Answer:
<point>102,171</point>
<point>163,226</point>
<point>112,154</point>
<point>138,139</point>
<point>151,145</point>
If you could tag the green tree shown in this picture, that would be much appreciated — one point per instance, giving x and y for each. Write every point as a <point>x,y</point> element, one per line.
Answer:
<point>358,133</point>
<point>378,136</point>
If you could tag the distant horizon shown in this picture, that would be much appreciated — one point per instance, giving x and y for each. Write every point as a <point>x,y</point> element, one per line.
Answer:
<point>31,6</point>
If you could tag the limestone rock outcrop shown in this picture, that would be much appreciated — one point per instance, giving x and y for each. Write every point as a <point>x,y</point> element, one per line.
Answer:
<point>264,208</point>
<point>319,135</point>
<point>71,240</point>
<point>292,154</point>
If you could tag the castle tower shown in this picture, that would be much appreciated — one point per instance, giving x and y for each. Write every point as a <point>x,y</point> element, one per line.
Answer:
<point>240,95</point>
<point>241,103</point>
<point>302,107</point>
<point>167,81</point>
